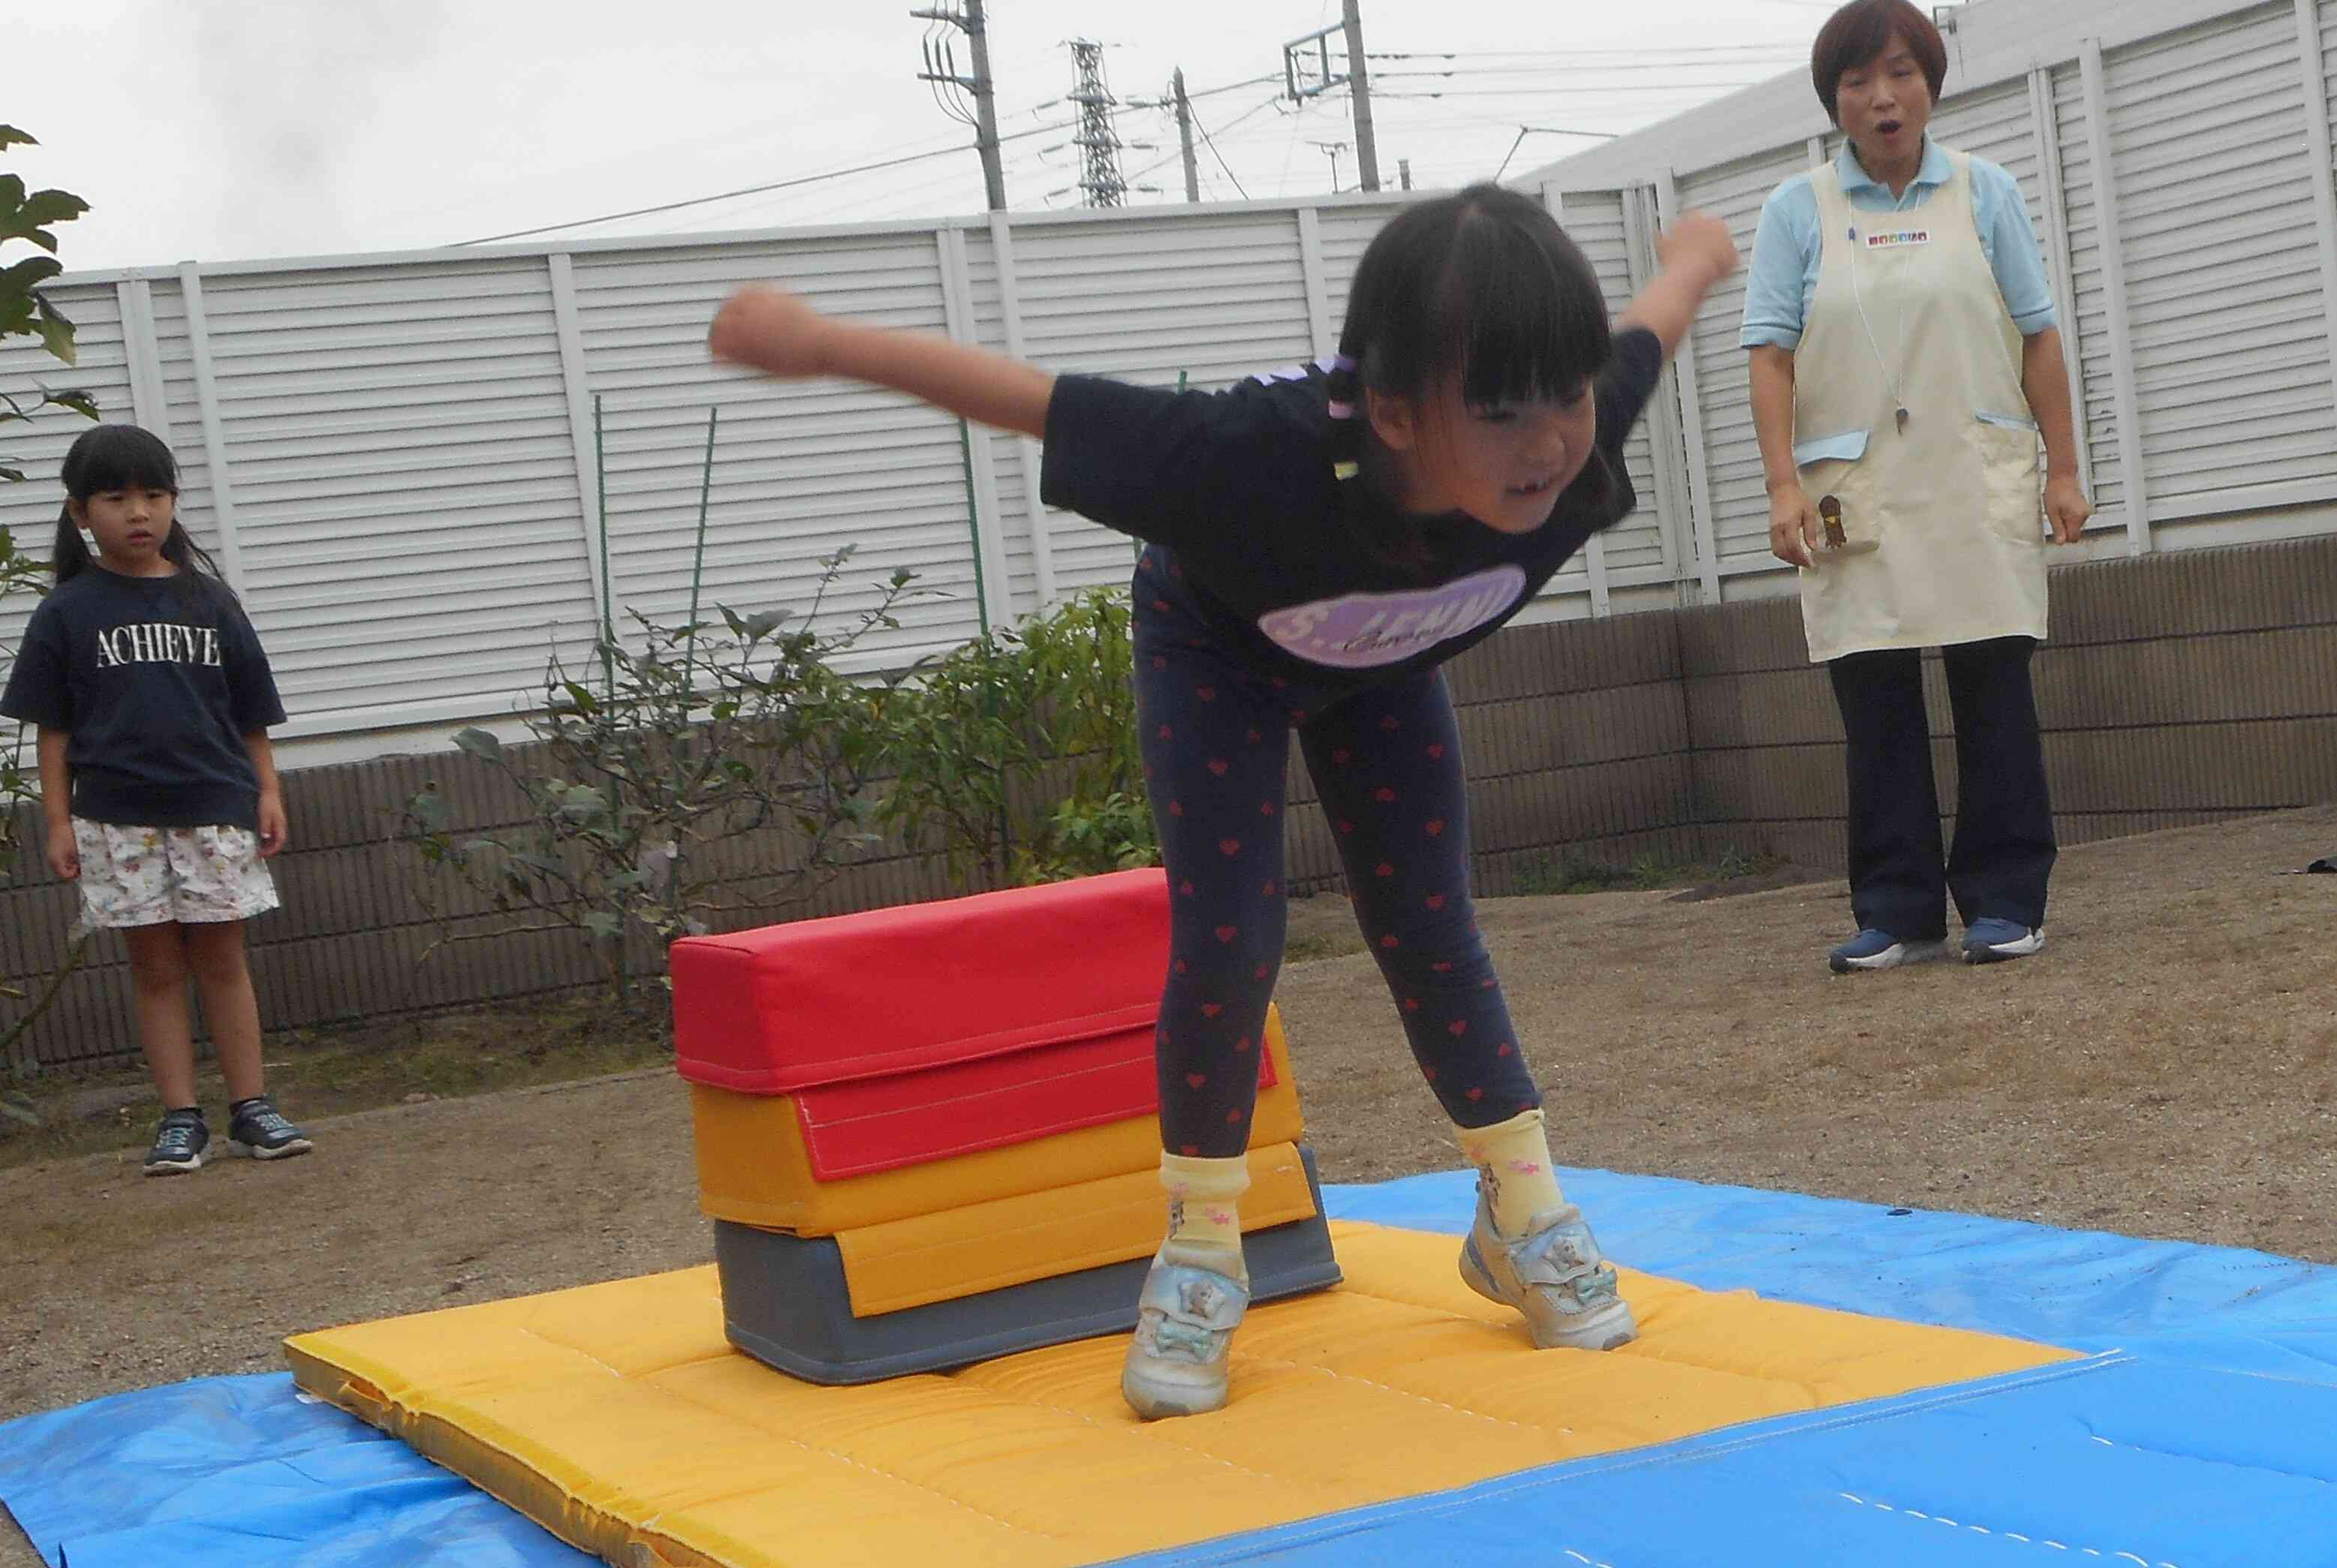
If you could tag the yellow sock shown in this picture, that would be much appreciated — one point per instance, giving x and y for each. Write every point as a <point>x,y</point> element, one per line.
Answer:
<point>1204,1205</point>
<point>1512,1160</point>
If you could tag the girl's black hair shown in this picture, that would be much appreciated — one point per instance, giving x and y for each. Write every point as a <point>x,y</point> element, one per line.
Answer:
<point>108,457</point>
<point>1483,287</point>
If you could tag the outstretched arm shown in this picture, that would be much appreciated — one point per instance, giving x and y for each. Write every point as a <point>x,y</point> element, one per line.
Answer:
<point>1693,255</point>
<point>772,330</point>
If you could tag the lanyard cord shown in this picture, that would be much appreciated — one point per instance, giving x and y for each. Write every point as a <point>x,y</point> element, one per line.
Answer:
<point>1889,371</point>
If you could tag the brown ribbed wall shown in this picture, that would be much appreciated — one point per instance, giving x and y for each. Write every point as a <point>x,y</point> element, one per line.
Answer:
<point>2178,689</point>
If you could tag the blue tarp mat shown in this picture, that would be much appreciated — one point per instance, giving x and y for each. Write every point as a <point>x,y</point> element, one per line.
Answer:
<point>248,1471</point>
<point>2202,1431</point>
<point>2114,1460</point>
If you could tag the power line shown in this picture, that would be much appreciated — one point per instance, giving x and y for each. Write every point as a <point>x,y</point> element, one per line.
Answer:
<point>1218,155</point>
<point>1548,71</point>
<point>754,190</point>
<point>1731,49</point>
<point>1563,91</point>
<point>1252,110</point>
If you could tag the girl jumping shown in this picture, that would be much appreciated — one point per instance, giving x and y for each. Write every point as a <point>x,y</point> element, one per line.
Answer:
<point>1318,540</point>
<point>152,700</point>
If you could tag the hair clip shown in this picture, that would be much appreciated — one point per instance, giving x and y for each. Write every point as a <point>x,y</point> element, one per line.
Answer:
<point>1338,408</point>
<point>1340,362</point>
<point>1346,468</point>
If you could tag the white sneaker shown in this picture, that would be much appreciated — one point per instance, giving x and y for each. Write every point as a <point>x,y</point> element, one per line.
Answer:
<point>1186,1318</point>
<point>1554,1274</point>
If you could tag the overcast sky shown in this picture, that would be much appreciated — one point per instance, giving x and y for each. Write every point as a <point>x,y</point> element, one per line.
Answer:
<point>228,130</point>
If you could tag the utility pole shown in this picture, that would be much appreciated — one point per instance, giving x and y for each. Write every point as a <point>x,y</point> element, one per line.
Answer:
<point>1098,143</point>
<point>941,69</point>
<point>1403,171</point>
<point>1306,73</point>
<point>1367,157</point>
<point>1184,134</point>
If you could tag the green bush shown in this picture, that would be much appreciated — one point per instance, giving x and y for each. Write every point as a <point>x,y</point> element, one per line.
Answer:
<point>1015,757</point>
<point>692,738</point>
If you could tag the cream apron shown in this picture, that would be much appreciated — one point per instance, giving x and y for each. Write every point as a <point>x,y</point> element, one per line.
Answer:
<point>1941,511</point>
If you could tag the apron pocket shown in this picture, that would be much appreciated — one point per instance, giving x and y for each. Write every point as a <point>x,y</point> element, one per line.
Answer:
<point>1841,489</point>
<point>2013,481</point>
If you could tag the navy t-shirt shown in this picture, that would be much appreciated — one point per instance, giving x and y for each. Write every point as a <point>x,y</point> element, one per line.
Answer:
<point>157,680</point>
<point>1305,575</point>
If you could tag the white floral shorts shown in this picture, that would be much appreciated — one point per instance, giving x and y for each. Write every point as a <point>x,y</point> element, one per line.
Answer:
<point>132,876</point>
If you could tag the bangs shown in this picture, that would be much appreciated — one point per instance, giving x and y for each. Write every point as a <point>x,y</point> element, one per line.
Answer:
<point>1519,315</point>
<point>119,457</point>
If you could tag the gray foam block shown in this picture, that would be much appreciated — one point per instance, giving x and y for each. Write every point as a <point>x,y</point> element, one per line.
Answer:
<point>785,1302</point>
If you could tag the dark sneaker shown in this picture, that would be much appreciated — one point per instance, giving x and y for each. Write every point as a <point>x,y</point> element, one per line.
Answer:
<point>1991,941</point>
<point>1874,949</point>
<point>263,1132</point>
<point>178,1144</point>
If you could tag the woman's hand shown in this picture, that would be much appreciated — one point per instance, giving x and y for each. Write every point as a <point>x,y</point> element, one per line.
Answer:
<point>2066,508</point>
<point>1793,526</point>
<point>1699,241</point>
<point>63,851</point>
<point>772,330</point>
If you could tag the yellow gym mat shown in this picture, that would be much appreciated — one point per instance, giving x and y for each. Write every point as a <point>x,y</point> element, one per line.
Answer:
<point>618,1417</point>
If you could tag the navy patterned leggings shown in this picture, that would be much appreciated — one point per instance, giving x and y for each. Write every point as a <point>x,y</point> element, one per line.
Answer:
<point>1386,762</point>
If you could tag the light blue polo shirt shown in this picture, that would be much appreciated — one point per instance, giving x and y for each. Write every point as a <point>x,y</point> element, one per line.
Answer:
<point>1783,278</point>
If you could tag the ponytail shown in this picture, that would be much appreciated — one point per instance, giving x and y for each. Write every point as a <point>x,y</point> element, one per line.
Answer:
<point>69,555</point>
<point>1344,387</point>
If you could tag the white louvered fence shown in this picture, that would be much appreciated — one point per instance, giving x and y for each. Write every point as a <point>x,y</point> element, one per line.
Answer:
<point>395,457</point>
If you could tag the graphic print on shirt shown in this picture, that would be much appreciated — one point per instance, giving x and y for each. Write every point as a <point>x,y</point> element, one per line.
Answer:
<point>158,642</point>
<point>1365,630</point>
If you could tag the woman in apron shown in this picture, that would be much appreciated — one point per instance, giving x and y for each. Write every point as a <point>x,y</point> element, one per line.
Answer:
<point>1905,361</point>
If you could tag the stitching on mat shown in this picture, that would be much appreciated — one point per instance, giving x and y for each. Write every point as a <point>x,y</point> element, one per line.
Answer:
<point>798,1443</point>
<point>2007,1534</point>
<point>1644,1350</point>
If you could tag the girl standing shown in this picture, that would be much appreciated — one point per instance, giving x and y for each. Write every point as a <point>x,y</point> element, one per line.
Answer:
<point>152,700</point>
<point>1319,542</point>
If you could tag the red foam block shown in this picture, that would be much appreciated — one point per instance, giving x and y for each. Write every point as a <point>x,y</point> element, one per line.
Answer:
<point>915,1034</point>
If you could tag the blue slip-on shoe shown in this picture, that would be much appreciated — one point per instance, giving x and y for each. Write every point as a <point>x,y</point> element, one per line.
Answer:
<point>178,1144</point>
<point>1991,941</point>
<point>263,1132</point>
<point>1879,949</point>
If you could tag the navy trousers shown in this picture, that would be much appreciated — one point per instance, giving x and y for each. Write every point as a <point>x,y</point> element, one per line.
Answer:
<point>1386,762</point>
<point>1900,878</point>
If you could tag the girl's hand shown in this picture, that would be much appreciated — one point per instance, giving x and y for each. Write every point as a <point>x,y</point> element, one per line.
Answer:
<point>2066,508</point>
<point>272,825</point>
<point>772,330</point>
<point>1698,241</point>
<point>1793,527</point>
<point>64,852</point>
